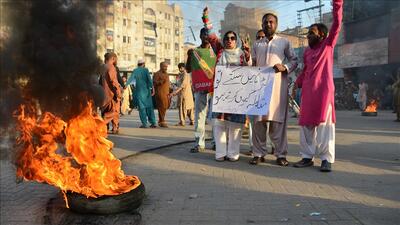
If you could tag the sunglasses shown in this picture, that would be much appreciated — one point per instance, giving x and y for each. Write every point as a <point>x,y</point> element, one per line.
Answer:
<point>232,38</point>
<point>260,37</point>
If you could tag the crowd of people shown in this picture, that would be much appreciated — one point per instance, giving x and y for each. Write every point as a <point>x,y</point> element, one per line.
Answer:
<point>317,108</point>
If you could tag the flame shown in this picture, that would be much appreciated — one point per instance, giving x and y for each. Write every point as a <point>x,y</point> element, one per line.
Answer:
<point>74,156</point>
<point>372,106</point>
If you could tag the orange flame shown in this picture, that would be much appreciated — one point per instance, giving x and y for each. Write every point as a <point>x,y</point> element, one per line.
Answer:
<point>372,106</point>
<point>73,156</point>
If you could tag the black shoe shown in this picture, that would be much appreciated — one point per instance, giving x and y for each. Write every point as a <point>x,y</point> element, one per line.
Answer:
<point>326,166</point>
<point>256,160</point>
<point>153,126</point>
<point>282,162</point>
<point>143,126</point>
<point>304,163</point>
<point>196,149</point>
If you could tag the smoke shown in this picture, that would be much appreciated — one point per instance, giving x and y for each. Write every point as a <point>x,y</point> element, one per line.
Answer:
<point>48,54</point>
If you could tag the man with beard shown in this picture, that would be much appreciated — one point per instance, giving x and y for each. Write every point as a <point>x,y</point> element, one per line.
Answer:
<point>317,109</point>
<point>112,91</point>
<point>271,51</point>
<point>162,89</point>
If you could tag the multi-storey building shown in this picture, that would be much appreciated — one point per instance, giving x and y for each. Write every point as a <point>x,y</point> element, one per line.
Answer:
<point>242,20</point>
<point>139,29</point>
<point>370,51</point>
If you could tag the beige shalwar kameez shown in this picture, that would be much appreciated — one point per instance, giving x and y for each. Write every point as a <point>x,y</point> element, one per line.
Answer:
<point>267,53</point>
<point>185,98</point>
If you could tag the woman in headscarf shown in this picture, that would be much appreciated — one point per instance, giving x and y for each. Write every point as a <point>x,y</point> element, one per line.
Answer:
<point>228,127</point>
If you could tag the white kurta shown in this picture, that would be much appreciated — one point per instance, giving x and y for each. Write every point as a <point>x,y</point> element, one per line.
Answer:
<point>268,53</point>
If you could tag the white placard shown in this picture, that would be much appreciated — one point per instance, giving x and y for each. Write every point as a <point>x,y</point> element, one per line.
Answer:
<point>243,89</point>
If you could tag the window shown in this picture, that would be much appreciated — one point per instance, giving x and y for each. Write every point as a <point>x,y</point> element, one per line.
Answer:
<point>124,39</point>
<point>149,25</point>
<point>166,16</point>
<point>110,35</point>
<point>176,32</point>
<point>149,41</point>
<point>149,12</point>
<point>176,47</point>
<point>124,22</point>
<point>129,5</point>
<point>150,58</point>
<point>110,50</point>
<point>176,19</point>
<point>124,5</point>
<point>129,39</point>
<point>176,60</point>
<point>165,46</point>
<point>129,57</point>
<point>168,61</point>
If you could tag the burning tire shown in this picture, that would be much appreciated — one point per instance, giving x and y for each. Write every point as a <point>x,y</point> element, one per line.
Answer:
<point>369,113</point>
<point>107,204</point>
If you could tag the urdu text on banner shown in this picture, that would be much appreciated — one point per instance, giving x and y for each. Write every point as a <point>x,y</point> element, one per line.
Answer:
<point>243,89</point>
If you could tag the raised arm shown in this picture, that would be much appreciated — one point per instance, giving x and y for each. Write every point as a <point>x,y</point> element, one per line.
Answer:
<point>337,22</point>
<point>212,36</point>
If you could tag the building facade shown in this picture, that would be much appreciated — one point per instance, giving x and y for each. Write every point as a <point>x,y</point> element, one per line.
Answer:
<point>370,49</point>
<point>139,29</point>
<point>242,20</point>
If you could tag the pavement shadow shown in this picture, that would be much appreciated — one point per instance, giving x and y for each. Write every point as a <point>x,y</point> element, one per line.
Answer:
<point>352,172</point>
<point>178,195</point>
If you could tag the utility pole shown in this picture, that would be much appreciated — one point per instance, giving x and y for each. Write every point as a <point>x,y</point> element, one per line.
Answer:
<point>300,23</point>
<point>191,30</point>
<point>320,9</point>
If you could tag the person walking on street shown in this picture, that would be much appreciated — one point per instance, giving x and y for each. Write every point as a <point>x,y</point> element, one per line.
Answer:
<point>143,93</point>
<point>126,97</point>
<point>112,89</point>
<point>271,51</point>
<point>317,110</point>
<point>162,87</point>
<point>362,95</point>
<point>185,96</point>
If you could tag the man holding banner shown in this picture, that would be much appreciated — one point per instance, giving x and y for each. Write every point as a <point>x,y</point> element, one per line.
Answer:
<point>271,51</point>
<point>201,63</point>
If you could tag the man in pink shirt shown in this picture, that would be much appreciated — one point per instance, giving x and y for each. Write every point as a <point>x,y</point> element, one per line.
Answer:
<point>317,109</point>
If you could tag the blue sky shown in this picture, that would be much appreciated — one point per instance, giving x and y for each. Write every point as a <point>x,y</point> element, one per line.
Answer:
<point>287,12</point>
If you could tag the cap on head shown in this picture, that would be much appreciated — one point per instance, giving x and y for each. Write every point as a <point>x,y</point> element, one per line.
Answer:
<point>140,61</point>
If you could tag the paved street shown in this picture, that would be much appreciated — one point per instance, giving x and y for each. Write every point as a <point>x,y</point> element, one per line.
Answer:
<point>186,188</point>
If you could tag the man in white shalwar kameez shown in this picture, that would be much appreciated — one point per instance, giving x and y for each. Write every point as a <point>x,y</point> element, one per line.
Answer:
<point>271,51</point>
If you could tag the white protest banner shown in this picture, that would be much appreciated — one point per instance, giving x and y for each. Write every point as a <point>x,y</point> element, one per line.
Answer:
<point>243,89</point>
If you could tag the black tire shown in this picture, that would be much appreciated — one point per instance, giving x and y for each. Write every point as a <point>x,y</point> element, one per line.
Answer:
<point>129,201</point>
